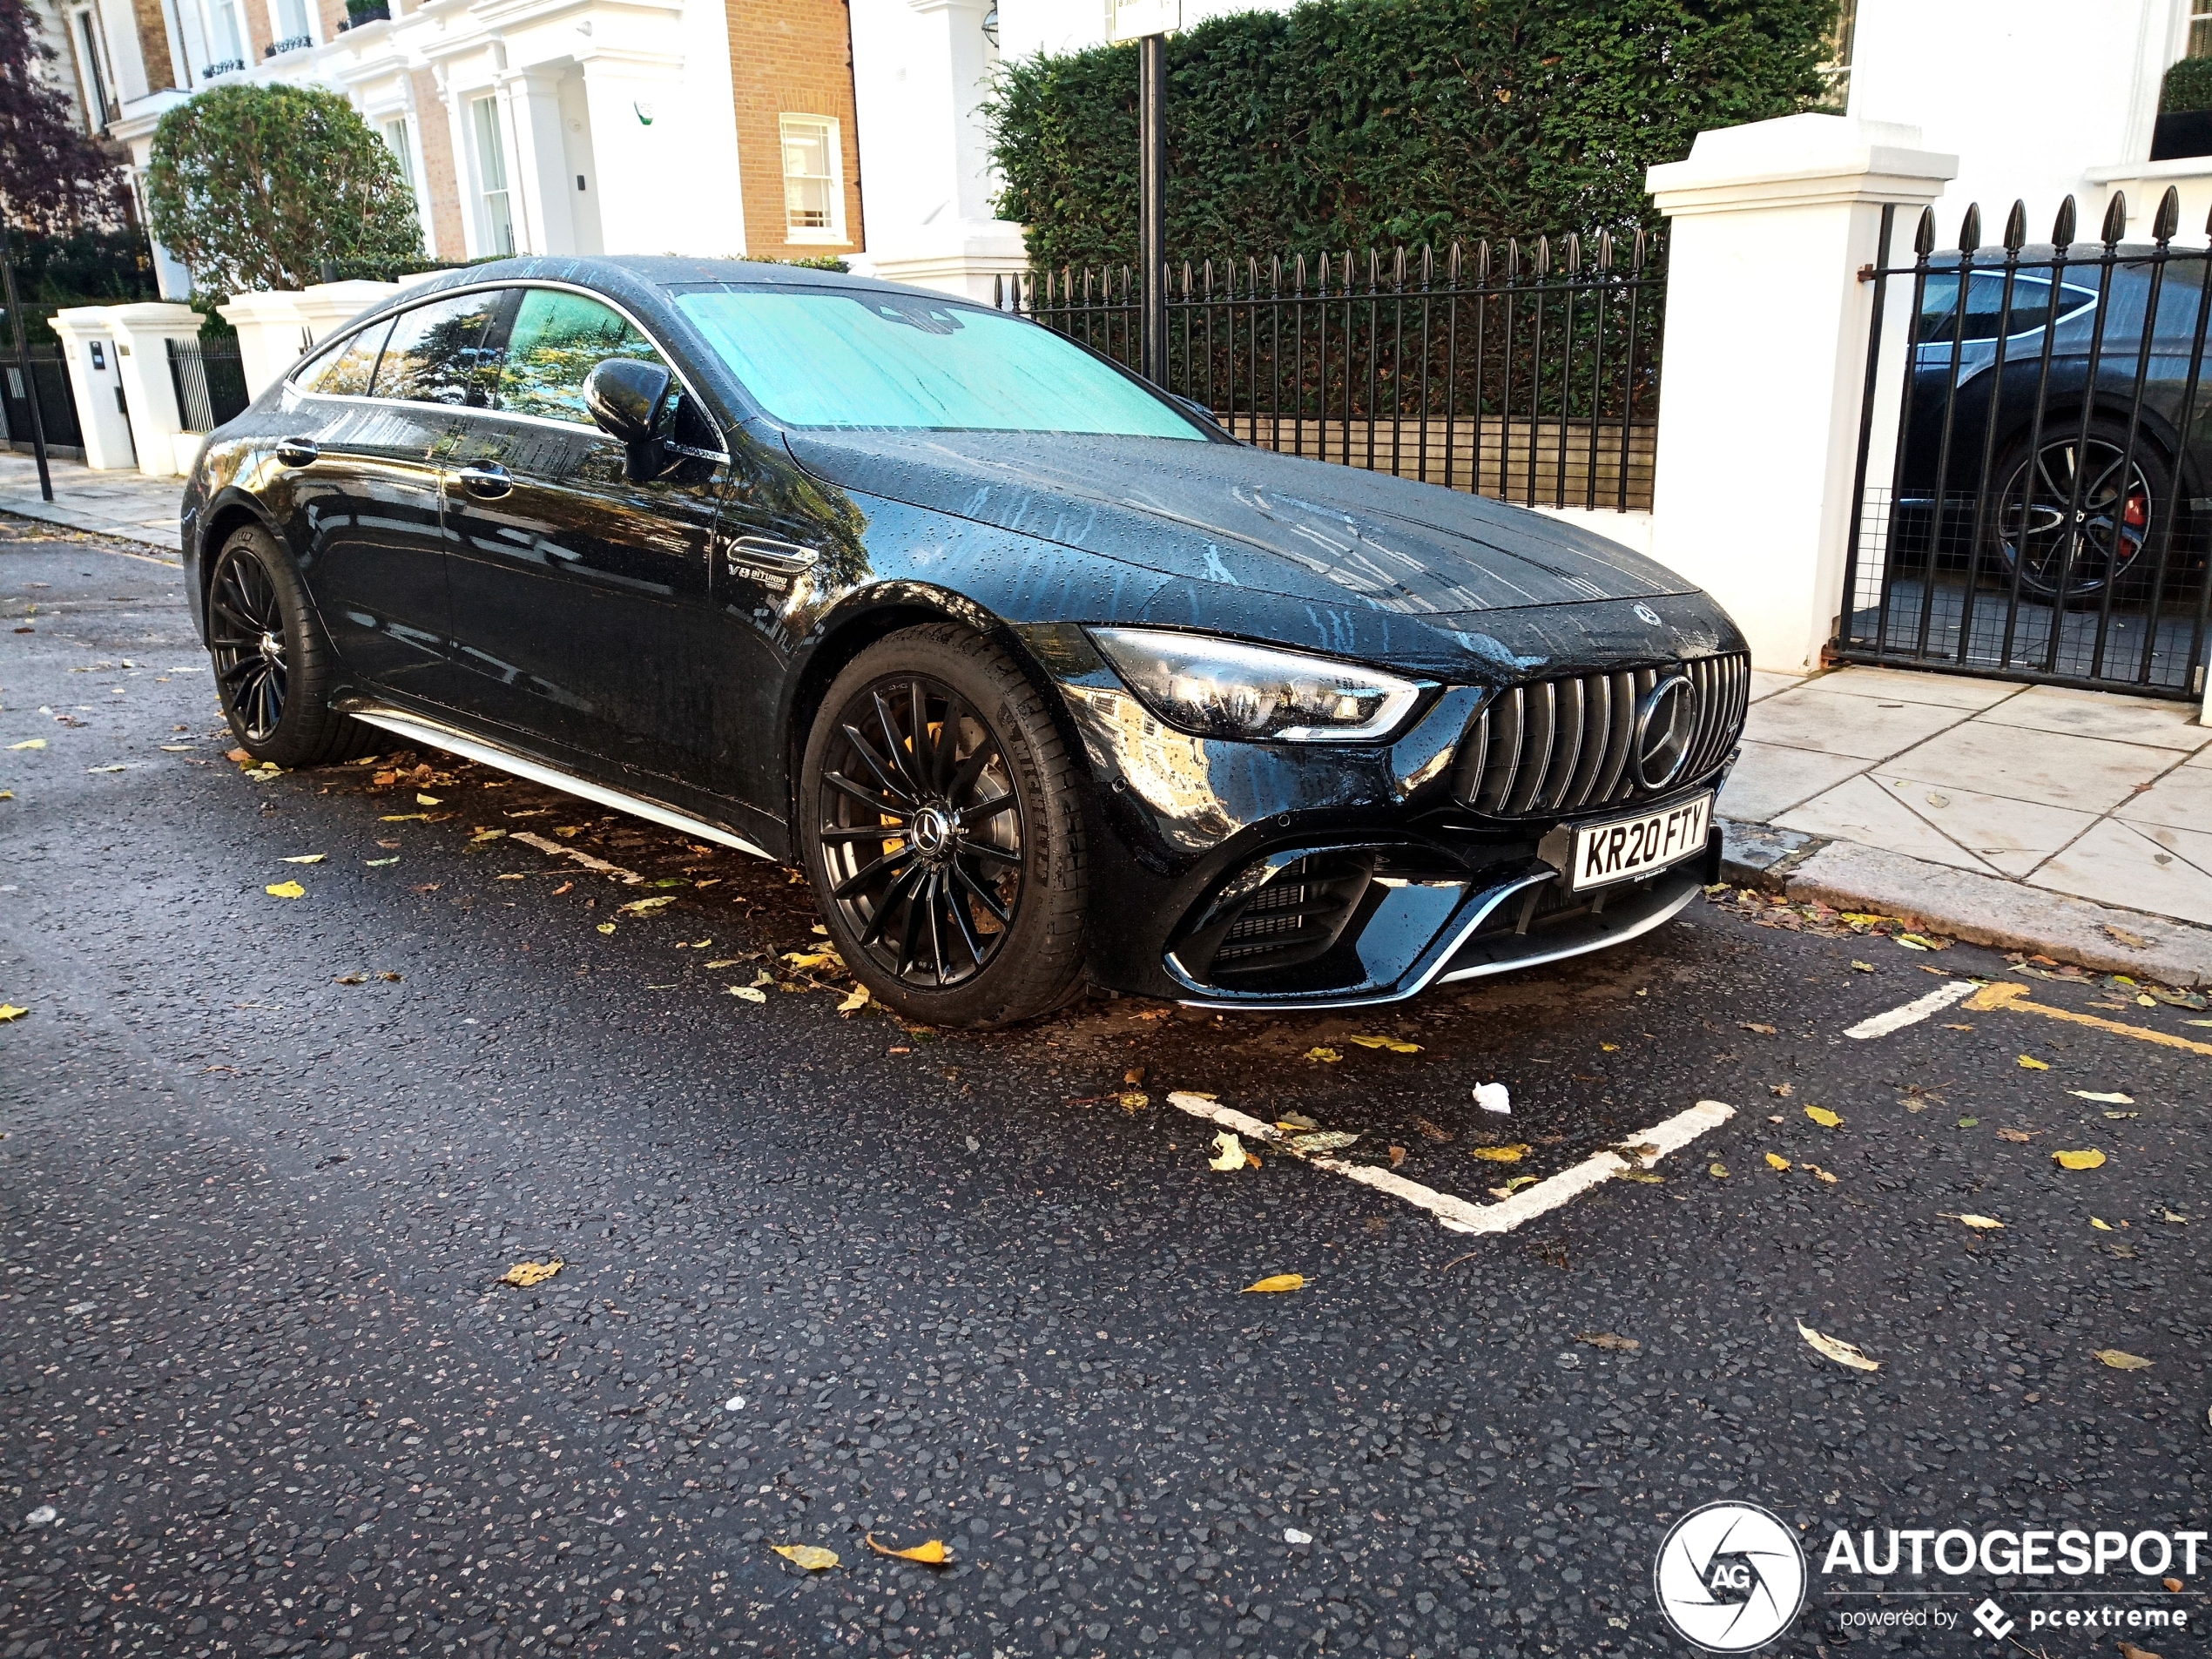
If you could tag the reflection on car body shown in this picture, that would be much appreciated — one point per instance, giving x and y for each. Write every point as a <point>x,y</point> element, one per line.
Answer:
<point>1040,678</point>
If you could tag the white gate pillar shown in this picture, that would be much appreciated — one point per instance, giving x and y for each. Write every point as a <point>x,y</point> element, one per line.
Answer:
<point>142,335</point>
<point>95,378</point>
<point>272,333</point>
<point>1766,361</point>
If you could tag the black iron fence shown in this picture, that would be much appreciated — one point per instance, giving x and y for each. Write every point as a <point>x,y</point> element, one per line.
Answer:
<point>210,381</point>
<point>1524,371</point>
<point>2045,508</point>
<point>48,377</point>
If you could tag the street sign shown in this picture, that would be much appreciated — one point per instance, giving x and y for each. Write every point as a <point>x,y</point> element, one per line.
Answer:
<point>1134,19</point>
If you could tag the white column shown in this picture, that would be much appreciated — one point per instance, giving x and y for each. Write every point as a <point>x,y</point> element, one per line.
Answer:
<point>142,333</point>
<point>88,348</point>
<point>653,194</point>
<point>272,335</point>
<point>921,69</point>
<point>538,169</point>
<point>326,306</point>
<point>1766,355</point>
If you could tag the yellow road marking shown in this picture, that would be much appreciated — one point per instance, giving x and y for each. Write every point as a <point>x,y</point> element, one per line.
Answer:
<point>2002,995</point>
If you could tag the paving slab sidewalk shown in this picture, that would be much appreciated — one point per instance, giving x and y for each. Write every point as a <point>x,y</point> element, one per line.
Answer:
<point>2078,824</point>
<point>128,505</point>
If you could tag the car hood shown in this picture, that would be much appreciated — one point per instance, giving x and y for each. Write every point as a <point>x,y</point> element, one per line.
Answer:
<point>1245,518</point>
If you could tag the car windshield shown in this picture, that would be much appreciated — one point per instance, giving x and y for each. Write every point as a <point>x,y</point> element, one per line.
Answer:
<point>849,358</point>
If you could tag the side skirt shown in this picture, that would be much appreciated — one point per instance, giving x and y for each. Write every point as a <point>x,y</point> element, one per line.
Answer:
<point>469,747</point>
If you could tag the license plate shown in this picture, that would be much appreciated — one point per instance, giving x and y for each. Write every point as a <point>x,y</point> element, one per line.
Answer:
<point>1628,847</point>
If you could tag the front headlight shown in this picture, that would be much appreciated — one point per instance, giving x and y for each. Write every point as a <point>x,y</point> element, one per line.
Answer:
<point>1220,688</point>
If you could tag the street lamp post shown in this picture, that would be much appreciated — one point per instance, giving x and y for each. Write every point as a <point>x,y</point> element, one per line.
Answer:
<point>1149,23</point>
<point>22,360</point>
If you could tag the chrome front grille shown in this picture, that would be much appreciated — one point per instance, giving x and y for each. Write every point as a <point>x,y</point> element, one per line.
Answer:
<point>1562,746</point>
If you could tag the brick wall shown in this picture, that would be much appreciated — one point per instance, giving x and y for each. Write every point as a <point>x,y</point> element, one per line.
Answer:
<point>790,57</point>
<point>434,132</point>
<point>153,46</point>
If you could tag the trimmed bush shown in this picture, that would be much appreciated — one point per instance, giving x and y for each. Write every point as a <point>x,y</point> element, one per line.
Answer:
<point>1362,122</point>
<point>2187,86</point>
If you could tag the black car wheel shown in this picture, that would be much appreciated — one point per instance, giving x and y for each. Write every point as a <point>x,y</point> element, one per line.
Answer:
<point>2059,540</point>
<point>943,832</point>
<point>274,666</point>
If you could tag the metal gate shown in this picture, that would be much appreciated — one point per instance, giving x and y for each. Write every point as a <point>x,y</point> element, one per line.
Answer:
<point>2033,494</point>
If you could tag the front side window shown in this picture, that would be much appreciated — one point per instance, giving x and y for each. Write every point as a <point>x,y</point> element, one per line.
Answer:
<point>437,353</point>
<point>229,33</point>
<point>556,339</point>
<point>835,357</point>
<point>345,370</point>
<point>491,177</point>
<point>810,177</point>
<point>1987,315</point>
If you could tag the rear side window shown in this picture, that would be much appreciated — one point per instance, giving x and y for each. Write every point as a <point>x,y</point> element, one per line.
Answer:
<point>437,353</point>
<point>556,339</point>
<point>345,370</point>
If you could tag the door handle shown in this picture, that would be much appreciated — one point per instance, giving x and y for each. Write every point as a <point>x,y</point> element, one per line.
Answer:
<point>298,452</point>
<point>486,483</point>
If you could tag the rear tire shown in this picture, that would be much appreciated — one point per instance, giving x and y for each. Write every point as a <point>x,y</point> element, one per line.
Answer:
<point>2031,530</point>
<point>274,667</point>
<point>941,819</point>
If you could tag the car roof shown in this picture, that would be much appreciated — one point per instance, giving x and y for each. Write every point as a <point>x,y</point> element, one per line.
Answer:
<point>625,275</point>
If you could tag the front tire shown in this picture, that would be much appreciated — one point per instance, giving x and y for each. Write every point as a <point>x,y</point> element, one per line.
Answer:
<point>2074,525</point>
<point>274,668</point>
<point>941,817</point>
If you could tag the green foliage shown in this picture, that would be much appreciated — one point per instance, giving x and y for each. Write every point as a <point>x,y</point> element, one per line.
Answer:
<point>1362,122</point>
<point>254,187</point>
<point>2187,86</point>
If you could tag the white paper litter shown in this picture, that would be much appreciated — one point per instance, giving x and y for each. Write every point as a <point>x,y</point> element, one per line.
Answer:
<point>1493,1097</point>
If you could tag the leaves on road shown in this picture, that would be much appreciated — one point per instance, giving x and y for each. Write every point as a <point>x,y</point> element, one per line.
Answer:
<point>2019,1137</point>
<point>1277,1282</point>
<point>1843,1353</point>
<point>932,1554</point>
<point>2103,1100</point>
<point>523,1275</point>
<point>1229,1153</point>
<point>1396,1045</point>
<point>1501,1154</point>
<point>1134,1100</point>
<point>2089,1158</point>
<point>1432,1131</point>
<point>645,906</point>
<point>854,1000</point>
<point>10,1011</point>
<point>305,858</point>
<point>1753,1025</point>
<point>30,742</point>
<point>1717,1171</point>
<point>1331,1140</point>
<point>1775,1160</point>
<point>812,1557</point>
<point>606,926</point>
<point>2029,1063</point>
<point>1822,1117</point>
<point>1607,1340</point>
<point>1980,1224</point>
<point>285,890</point>
<point>1328,1057</point>
<point>2121,1359</point>
<point>747,992</point>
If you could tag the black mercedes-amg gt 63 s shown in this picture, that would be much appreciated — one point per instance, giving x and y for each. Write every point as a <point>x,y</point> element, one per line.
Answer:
<point>1043,679</point>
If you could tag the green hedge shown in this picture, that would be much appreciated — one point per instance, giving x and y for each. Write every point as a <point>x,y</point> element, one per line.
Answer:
<point>1360,123</point>
<point>2187,86</point>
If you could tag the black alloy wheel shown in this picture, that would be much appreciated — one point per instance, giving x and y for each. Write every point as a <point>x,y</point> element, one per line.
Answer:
<point>2061,540</point>
<point>921,831</point>
<point>246,626</point>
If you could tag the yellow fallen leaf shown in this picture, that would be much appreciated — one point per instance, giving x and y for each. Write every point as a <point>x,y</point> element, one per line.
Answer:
<point>285,890</point>
<point>305,858</point>
<point>2029,1063</point>
<point>2102,1226</point>
<point>1501,1154</point>
<point>2102,1099</point>
<point>1134,1100</point>
<point>645,906</point>
<point>403,818</point>
<point>1396,1045</point>
<point>1719,1172</point>
<point>10,1011</point>
<point>1863,968</point>
<point>1822,1117</point>
<point>2088,1159</point>
<point>1821,1173</point>
<point>1610,1048</point>
<point>746,993</point>
<point>1773,1162</point>
<point>1982,1224</point>
<point>2121,1359</point>
<point>30,742</point>
<point>1328,1057</point>
<point>932,1554</point>
<point>428,800</point>
<point>805,959</point>
<point>606,926</point>
<point>1278,1282</point>
<point>483,835</point>
<point>812,1557</point>
<point>857,1000</point>
<point>1229,1153</point>
<point>1644,1178</point>
<point>523,1275</point>
<point>1843,1353</point>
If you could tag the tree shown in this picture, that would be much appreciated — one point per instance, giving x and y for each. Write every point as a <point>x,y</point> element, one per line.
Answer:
<point>255,186</point>
<point>53,177</point>
<point>1357,124</point>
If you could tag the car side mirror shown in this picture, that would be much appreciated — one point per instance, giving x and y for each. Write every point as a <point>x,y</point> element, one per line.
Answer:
<point>624,396</point>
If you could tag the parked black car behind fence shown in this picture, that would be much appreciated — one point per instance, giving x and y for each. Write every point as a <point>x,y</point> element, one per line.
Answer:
<point>2048,509</point>
<point>1525,371</point>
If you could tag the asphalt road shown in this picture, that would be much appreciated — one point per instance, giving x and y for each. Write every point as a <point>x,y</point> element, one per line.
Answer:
<point>264,1160</point>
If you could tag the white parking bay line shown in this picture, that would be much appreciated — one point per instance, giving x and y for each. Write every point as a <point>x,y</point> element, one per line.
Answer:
<point>1915,1011</point>
<point>1640,1152</point>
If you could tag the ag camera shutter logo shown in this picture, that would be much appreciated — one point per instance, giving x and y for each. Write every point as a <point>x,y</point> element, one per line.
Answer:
<point>1729,1577</point>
